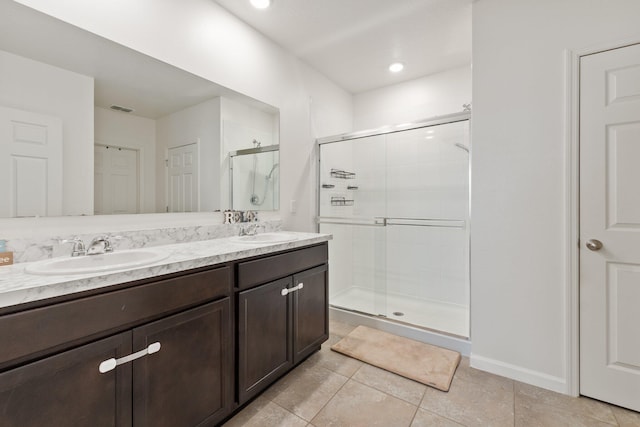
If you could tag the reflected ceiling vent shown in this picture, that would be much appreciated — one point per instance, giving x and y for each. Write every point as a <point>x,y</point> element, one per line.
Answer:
<point>121,108</point>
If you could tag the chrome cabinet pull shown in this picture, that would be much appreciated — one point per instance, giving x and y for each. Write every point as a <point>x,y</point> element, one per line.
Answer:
<point>286,291</point>
<point>594,245</point>
<point>110,364</point>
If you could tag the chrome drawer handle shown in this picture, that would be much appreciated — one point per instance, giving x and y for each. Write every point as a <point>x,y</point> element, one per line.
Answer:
<point>110,364</point>
<point>286,291</point>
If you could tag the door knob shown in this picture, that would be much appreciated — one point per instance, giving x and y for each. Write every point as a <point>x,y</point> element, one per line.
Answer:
<point>594,245</point>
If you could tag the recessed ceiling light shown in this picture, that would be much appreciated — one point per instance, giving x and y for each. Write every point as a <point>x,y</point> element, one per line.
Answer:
<point>261,4</point>
<point>396,67</point>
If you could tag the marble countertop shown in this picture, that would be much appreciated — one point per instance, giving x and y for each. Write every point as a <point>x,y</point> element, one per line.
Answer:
<point>17,286</point>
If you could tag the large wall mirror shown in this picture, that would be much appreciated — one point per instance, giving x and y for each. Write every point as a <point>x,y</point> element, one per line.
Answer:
<point>88,126</point>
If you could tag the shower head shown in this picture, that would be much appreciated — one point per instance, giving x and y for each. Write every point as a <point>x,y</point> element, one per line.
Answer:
<point>464,147</point>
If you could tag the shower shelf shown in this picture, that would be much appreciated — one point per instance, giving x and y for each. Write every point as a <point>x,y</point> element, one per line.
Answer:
<point>328,186</point>
<point>341,201</point>
<point>352,187</point>
<point>338,173</point>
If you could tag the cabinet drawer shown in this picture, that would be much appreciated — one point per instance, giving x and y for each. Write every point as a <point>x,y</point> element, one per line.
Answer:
<point>40,331</point>
<point>262,270</point>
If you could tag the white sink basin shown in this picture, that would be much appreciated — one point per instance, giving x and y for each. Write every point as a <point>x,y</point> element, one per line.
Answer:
<point>96,263</point>
<point>266,238</point>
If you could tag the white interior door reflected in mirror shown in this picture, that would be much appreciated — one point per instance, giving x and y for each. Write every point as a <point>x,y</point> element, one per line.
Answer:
<point>30,164</point>
<point>115,180</point>
<point>182,170</point>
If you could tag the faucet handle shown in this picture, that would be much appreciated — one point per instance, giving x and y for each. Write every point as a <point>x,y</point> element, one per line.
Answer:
<point>78,246</point>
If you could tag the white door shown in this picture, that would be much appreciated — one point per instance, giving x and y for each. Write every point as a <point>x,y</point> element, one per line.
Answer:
<point>610,217</point>
<point>182,169</point>
<point>116,180</point>
<point>30,164</point>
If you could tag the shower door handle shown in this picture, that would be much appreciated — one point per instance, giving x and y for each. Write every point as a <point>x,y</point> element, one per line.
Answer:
<point>380,221</point>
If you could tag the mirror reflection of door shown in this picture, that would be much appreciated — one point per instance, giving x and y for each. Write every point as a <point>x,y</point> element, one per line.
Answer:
<point>182,171</point>
<point>30,164</point>
<point>116,180</point>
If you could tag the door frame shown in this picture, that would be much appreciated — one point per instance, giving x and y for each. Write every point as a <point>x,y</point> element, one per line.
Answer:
<point>572,204</point>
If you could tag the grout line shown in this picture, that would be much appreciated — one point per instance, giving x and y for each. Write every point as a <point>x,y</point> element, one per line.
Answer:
<point>286,410</point>
<point>392,395</point>
<point>329,400</point>
<point>513,390</point>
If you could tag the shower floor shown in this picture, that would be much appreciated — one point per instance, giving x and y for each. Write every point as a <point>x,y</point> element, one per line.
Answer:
<point>439,316</point>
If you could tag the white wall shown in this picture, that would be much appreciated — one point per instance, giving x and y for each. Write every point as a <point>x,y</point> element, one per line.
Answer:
<point>138,133</point>
<point>208,41</point>
<point>41,88</point>
<point>519,200</point>
<point>413,100</point>
<point>197,124</point>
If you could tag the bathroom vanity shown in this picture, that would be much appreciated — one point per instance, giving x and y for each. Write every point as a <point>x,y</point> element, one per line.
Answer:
<point>183,348</point>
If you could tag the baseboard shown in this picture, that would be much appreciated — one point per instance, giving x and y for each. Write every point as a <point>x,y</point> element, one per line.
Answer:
<point>521,374</point>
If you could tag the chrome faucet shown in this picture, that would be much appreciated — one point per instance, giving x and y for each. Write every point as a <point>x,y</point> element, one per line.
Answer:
<point>99,245</point>
<point>249,230</point>
<point>78,246</point>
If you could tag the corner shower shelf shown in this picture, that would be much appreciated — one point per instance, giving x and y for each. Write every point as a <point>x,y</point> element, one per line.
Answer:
<point>341,201</point>
<point>338,173</point>
<point>352,187</point>
<point>328,186</point>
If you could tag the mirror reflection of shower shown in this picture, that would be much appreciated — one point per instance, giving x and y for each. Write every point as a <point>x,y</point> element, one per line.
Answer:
<point>255,177</point>
<point>255,199</point>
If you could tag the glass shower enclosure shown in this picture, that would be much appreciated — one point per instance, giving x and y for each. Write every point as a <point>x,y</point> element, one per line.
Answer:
<point>397,204</point>
<point>255,178</point>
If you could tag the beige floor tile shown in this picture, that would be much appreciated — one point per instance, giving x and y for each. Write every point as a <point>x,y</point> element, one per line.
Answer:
<point>339,328</point>
<point>467,373</point>
<point>625,417</point>
<point>427,419</point>
<point>531,395</point>
<point>357,405</point>
<point>243,417</point>
<point>306,389</point>
<point>390,383</point>
<point>333,338</point>
<point>529,413</point>
<point>263,413</point>
<point>473,404</point>
<point>336,362</point>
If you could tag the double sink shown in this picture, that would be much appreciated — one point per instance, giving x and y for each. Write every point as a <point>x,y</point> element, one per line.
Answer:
<point>126,259</point>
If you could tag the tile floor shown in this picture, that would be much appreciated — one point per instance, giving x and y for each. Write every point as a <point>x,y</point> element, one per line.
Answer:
<point>330,389</point>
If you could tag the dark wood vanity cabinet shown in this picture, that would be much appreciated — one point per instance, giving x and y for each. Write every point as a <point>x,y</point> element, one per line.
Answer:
<point>206,365</point>
<point>283,321</point>
<point>310,312</point>
<point>68,389</point>
<point>187,382</point>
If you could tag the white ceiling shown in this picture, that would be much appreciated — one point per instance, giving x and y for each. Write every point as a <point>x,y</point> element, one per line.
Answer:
<point>352,42</point>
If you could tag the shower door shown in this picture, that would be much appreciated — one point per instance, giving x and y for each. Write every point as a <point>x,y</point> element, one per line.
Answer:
<point>358,257</point>
<point>400,246</point>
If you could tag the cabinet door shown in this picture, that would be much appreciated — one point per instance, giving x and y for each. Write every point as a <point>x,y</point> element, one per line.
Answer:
<point>311,312</point>
<point>68,390</point>
<point>264,337</point>
<point>188,381</point>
